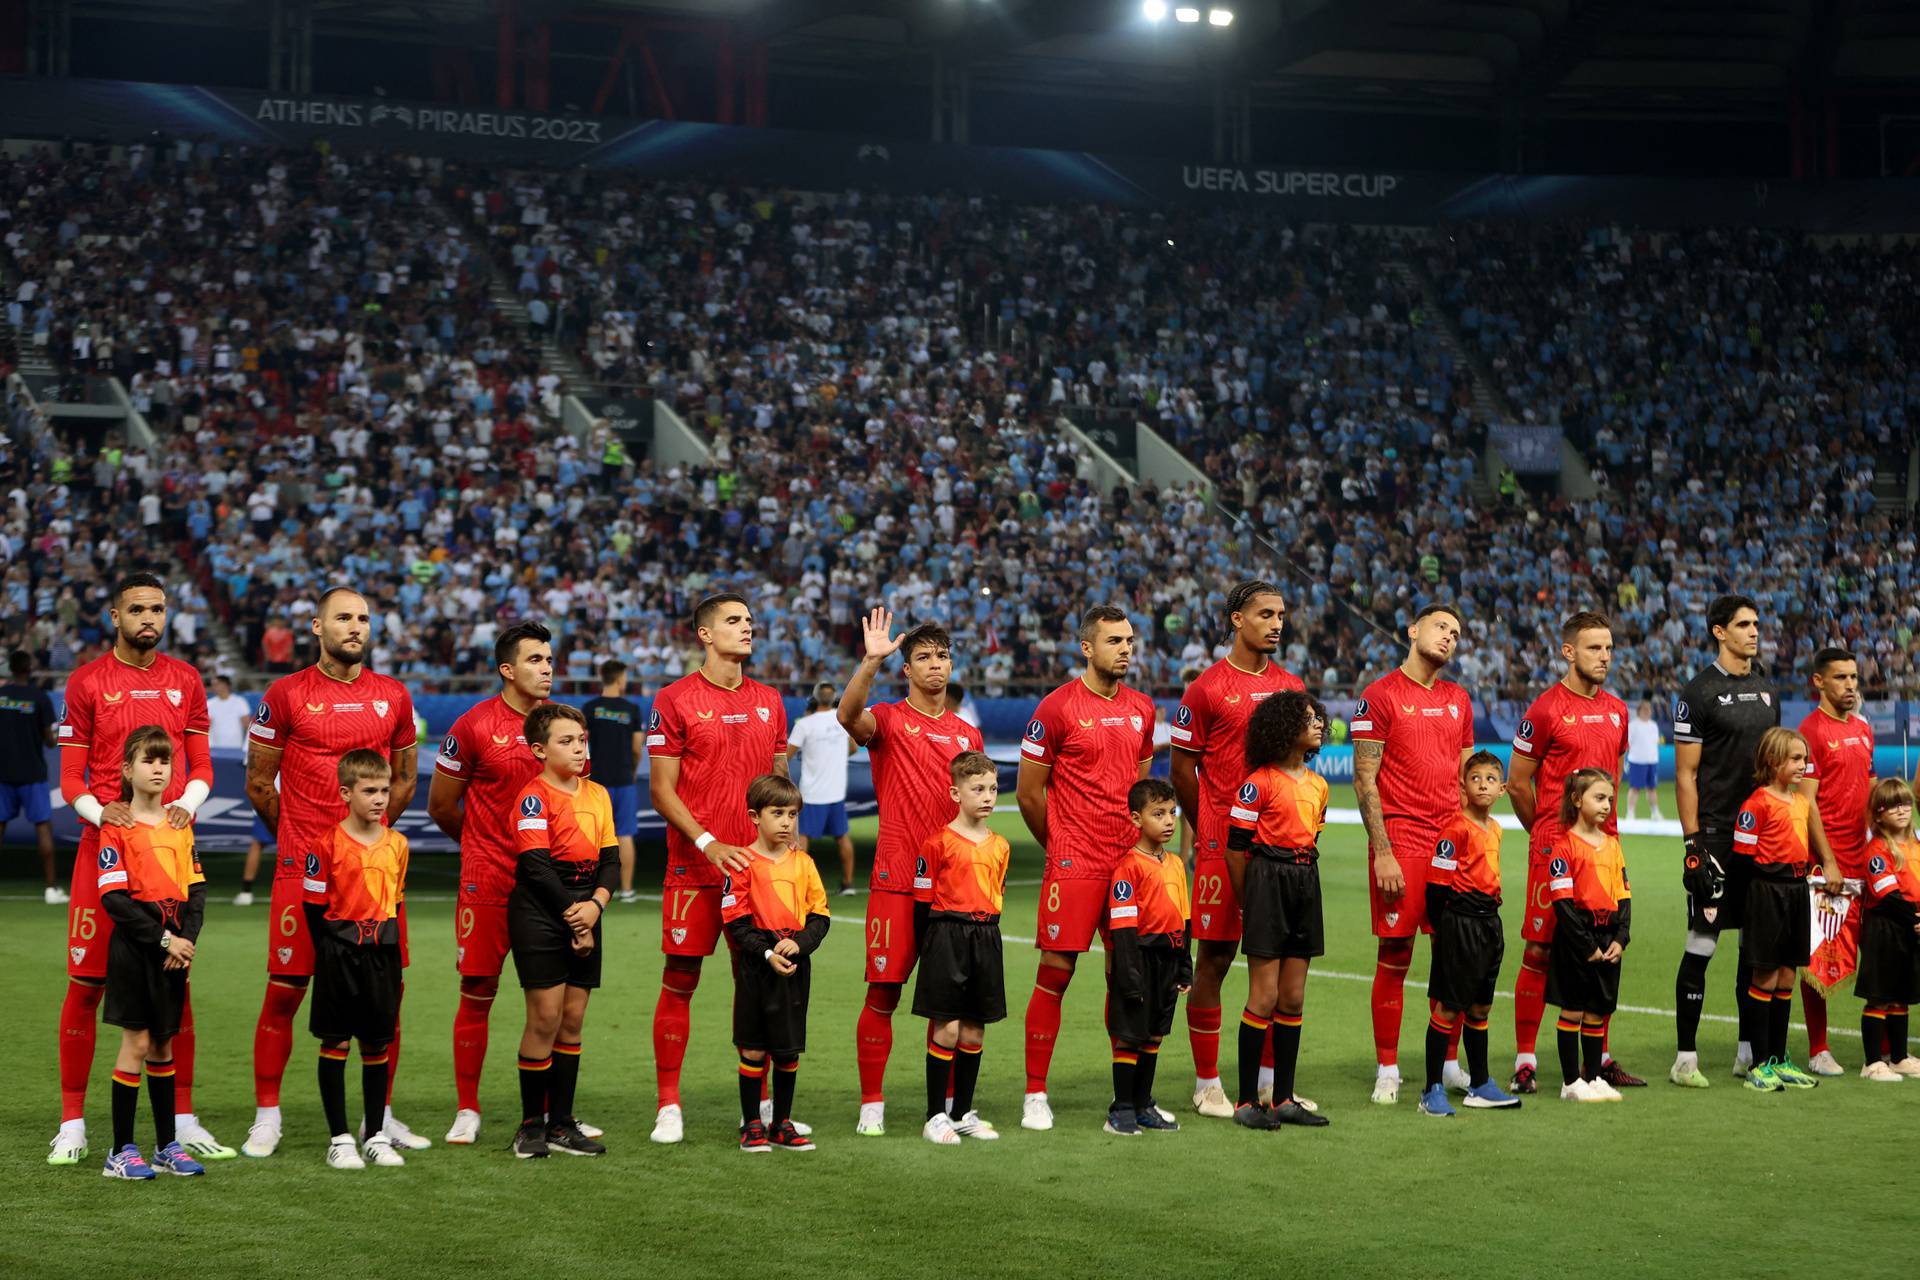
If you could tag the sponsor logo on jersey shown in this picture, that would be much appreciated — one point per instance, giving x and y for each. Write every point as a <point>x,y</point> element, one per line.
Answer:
<point>911,728</point>
<point>705,715</point>
<point>112,698</point>
<point>1406,708</point>
<point>316,708</point>
<point>1569,719</point>
<point>1726,699</point>
<point>501,739</point>
<point>1086,724</point>
<point>380,707</point>
<point>1231,699</point>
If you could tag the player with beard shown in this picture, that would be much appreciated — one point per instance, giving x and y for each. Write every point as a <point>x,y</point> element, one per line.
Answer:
<point>303,726</point>
<point>1089,741</point>
<point>483,766</point>
<point>1576,724</point>
<point>131,685</point>
<point>1839,779</point>
<point>1412,734</point>
<point>709,735</point>
<point>1209,763</point>
<point>1718,722</point>
<point>911,743</point>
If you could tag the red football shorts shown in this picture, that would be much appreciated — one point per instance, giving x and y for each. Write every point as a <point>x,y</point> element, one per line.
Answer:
<point>1216,910</point>
<point>1071,912</point>
<point>1538,923</point>
<point>1406,915</point>
<point>289,945</point>
<point>690,920</point>
<point>89,927</point>
<point>480,941</point>
<point>892,950</point>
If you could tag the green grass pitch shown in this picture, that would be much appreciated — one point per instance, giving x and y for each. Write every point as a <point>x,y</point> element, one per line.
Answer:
<point>1667,1182</point>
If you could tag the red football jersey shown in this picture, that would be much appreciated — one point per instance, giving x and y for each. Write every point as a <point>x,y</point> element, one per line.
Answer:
<point>724,739</point>
<point>1564,733</point>
<point>1424,730</point>
<point>487,749</point>
<point>909,752</point>
<point>1840,759</point>
<point>107,699</point>
<point>1093,747</point>
<point>1211,722</point>
<point>313,719</point>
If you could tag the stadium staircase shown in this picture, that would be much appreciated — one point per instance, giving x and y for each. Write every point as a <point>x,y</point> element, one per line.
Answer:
<point>1896,480</point>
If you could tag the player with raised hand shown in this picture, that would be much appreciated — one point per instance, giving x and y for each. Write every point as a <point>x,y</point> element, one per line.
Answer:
<point>483,766</point>
<point>1576,724</point>
<point>131,685</point>
<point>1089,741</point>
<point>710,734</point>
<point>303,727</point>
<point>1209,736</point>
<point>1718,722</point>
<point>1412,734</point>
<point>1838,780</point>
<point>911,742</point>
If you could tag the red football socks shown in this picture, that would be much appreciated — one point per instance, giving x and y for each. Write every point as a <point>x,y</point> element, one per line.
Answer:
<point>470,1039</point>
<point>1389,1001</point>
<point>1043,1023</point>
<point>873,1039</point>
<point>672,1024</point>
<point>1203,1032</point>
<point>393,1050</point>
<point>1815,1006</point>
<point>1529,1004</point>
<point>273,1039</point>
<point>78,1030</point>
<point>183,1058</point>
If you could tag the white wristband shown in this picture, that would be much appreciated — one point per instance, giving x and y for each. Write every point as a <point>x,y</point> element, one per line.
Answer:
<point>769,955</point>
<point>705,839</point>
<point>88,808</point>
<point>194,796</point>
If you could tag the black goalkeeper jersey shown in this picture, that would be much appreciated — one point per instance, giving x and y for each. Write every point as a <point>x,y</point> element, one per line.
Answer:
<point>1726,715</point>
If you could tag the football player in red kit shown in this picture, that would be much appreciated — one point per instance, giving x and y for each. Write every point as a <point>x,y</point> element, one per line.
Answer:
<point>1839,779</point>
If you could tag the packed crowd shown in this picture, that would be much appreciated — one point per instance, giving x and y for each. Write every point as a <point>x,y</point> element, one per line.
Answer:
<point>879,378</point>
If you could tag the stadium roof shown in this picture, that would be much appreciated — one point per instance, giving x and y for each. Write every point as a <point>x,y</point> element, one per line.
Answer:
<point>1704,57</point>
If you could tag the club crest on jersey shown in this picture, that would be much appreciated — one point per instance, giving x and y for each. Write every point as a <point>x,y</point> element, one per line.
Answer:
<point>1122,891</point>
<point>1036,732</point>
<point>1393,918</point>
<point>679,935</point>
<point>79,954</point>
<point>1526,729</point>
<point>1747,821</point>
<point>1248,793</point>
<point>380,706</point>
<point>1766,699</point>
<point>459,955</point>
<point>1206,920</point>
<point>764,714</point>
<point>1615,717</point>
<point>1453,709</point>
<point>1182,716</point>
<point>1053,931</point>
<point>173,696</point>
<point>284,955</point>
<point>966,743</point>
<point>529,806</point>
<point>879,964</point>
<point>1138,722</point>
